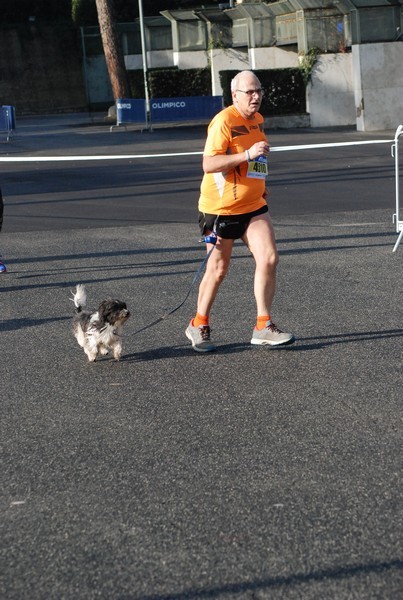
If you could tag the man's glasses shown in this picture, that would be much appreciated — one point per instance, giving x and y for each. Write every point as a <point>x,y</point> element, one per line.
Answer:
<point>251,93</point>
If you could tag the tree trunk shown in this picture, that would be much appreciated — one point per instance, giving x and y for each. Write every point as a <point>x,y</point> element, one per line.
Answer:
<point>113,50</point>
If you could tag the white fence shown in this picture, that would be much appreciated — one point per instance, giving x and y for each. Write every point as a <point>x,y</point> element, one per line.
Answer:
<point>396,216</point>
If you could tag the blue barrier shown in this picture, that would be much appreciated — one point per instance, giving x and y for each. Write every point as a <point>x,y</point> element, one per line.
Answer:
<point>129,110</point>
<point>184,109</point>
<point>163,110</point>
<point>7,119</point>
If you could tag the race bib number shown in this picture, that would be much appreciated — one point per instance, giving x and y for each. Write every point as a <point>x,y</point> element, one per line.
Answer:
<point>258,168</point>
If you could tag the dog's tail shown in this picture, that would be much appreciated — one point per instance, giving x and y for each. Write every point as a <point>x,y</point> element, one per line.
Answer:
<point>80,297</point>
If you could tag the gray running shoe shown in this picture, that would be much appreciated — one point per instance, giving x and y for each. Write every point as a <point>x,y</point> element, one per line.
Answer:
<point>271,335</point>
<point>200,338</point>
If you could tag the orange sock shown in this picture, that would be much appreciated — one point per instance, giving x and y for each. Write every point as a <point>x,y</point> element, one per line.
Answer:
<point>200,320</point>
<point>261,321</point>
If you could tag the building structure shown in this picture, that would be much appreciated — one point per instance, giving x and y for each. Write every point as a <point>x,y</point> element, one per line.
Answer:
<point>357,78</point>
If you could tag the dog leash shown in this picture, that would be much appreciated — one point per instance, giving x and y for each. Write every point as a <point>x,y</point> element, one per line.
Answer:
<point>209,239</point>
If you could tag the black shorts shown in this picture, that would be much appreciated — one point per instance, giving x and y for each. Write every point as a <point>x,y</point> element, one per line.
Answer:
<point>229,227</point>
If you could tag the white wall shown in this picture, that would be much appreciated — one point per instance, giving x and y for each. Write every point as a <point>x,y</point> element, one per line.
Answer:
<point>272,58</point>
<point>378,85</point>
<point>155,59</point>
<point>191,60</point>
<point>226,60</point>
<point>256,58</point>
<point>330,94</point>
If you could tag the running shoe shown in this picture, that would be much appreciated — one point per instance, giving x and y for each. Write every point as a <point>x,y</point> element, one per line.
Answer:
<point>271,335</point>
<point>3,268</point>
<point>200,337</point>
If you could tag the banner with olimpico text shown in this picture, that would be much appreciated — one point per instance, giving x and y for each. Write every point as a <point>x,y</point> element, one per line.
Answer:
<point>184,109</point>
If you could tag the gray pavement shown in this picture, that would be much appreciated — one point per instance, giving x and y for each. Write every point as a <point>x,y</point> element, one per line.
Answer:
<point>249,473</point>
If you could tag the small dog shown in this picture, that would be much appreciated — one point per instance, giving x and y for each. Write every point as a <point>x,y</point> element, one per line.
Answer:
<point>100,331</point>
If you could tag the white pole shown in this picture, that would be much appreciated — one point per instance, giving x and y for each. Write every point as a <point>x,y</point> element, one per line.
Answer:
<point>144,55</point>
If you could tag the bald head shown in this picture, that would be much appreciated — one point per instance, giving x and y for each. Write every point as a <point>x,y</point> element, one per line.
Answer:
<point>247,78</point>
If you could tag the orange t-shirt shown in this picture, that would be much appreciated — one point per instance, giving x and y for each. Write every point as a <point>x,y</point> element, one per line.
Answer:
<point>232,192</point>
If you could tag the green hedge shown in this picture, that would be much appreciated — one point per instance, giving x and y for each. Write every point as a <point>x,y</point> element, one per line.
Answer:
<point>171,83</point>
<point>284,90</point>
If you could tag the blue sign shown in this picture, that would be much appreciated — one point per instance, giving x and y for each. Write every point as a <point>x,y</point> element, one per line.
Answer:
<point>184,109</point>
<point>129,110</point>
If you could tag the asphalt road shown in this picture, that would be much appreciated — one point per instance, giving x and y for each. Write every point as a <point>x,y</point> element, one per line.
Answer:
<point>247,474</point>
<point>114,193</point>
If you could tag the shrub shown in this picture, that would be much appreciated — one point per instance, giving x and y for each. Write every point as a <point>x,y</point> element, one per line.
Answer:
<point>284,90</point>
<point>171,82</point>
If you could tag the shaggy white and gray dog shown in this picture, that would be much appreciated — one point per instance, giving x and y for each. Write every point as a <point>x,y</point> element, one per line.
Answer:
<point>101,331</point>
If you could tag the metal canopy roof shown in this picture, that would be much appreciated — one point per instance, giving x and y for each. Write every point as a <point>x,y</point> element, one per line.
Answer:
<point>373,3</point>
<point>213,15</point>
<point>259,10</point>
<point>288,6</point>
<point>179,15</point>
<point>253,11</point>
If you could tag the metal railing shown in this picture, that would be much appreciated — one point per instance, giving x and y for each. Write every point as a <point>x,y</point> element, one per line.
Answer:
<point>396,217</point>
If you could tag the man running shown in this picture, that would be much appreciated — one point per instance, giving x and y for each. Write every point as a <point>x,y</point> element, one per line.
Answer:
<point>233,206</point>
